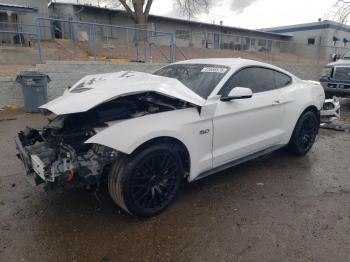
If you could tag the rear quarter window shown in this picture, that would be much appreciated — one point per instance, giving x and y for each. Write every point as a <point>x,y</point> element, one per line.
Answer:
<point>282,80</point>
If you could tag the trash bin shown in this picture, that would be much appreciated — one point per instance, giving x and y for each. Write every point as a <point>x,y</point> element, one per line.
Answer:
<point>34,88</point>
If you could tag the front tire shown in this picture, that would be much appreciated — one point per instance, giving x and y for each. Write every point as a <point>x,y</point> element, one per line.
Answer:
<point>304,134</point>
<point>146,182</point>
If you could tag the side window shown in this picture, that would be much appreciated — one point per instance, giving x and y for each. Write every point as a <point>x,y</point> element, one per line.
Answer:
<point>282,80</point>
<point>258,79</point>
<point>241,79</point>
<point>264,80</point>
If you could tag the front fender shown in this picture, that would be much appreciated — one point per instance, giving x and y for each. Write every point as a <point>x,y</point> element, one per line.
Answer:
<point>184,125</point>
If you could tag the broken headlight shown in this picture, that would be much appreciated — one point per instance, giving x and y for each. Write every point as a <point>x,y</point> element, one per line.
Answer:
<point>328,106</point>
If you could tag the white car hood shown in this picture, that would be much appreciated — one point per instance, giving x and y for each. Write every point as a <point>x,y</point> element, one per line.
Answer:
<point>94,90</point>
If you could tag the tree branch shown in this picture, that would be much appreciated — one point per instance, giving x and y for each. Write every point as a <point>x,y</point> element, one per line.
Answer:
<point>127,8</point>
<point>148,8</point>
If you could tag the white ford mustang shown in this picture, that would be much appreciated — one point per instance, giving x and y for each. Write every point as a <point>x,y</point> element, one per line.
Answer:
<point>144,133</point>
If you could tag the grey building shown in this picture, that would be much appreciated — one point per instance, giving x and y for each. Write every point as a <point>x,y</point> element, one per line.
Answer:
<point>325,37</point>
<point>19,16</point>
<point>188,33</point>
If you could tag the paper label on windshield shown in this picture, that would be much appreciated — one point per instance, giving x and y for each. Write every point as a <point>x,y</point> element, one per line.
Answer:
<point>220,70</point>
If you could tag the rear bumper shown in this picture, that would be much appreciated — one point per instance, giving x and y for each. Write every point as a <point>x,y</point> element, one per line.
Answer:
<point>31,176</point>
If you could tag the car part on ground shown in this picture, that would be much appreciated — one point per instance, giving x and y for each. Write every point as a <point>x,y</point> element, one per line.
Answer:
<point>331,109</point>
<point>336,125</point>
<point>330,116</point>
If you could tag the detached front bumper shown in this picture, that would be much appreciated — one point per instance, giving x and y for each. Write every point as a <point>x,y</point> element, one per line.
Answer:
<point>30,173</point>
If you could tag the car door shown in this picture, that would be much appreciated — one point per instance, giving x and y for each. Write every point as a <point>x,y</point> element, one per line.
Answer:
<point>245,126</point>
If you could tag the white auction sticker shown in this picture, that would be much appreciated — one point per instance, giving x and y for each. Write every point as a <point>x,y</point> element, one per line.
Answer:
<point>220,70</point>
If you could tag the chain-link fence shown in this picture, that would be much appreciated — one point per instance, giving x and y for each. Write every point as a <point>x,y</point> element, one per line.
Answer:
<point>209,44</point>
<point>64,39</point>
<point>16,34</point>
<point>76,40</point>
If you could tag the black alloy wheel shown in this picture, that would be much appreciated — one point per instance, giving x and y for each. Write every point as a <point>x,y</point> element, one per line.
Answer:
<point>304,133</point>
<point>307,133</point>
<point>145,184</point>
<point>155,181</point>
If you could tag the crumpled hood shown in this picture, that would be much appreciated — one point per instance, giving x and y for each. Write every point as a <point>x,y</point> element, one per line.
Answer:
<point>94,90</point>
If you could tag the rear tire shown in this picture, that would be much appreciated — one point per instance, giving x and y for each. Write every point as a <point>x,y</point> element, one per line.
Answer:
<point>146,182</point>
<point>304,134</point>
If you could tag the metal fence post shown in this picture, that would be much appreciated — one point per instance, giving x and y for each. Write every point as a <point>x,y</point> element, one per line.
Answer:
<point>150,53</point>
<point>71,29</point>
<point>38,43</point>
<point>19,35</point>
<point>137,51</point>
<point>172,49</point>
<point>137,45</point>
<point>94,41</point>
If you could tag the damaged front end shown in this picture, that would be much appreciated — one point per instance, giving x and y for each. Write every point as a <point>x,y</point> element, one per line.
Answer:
<point>57,154</point>
<point>60,158</point>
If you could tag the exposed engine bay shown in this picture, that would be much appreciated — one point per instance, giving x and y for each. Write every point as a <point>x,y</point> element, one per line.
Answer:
<point>58,155</point>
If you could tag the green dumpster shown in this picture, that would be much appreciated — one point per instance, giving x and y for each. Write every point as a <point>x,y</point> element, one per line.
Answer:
<point>34,88</point>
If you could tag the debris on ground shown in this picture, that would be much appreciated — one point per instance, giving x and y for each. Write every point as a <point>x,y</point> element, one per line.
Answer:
<point>7,119</point>
<point>330,116</point>
<point>336,125</point>
<point>331,108</point>
<point>10,107</point>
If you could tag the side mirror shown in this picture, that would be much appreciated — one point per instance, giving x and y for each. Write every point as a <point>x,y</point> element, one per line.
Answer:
<point>238,93</point>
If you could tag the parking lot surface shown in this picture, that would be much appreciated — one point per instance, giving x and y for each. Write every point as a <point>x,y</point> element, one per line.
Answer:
<point>281,208</point>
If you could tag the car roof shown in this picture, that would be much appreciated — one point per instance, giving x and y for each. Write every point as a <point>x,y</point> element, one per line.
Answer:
<point>233,63</point>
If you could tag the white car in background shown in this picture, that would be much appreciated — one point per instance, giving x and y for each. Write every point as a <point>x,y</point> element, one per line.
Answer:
<point>145,133</point>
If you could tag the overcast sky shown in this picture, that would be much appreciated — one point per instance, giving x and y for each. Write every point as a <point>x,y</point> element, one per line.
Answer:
<point>253,14</point>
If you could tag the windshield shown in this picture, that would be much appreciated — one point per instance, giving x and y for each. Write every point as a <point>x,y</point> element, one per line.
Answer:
<point>200,78</point>
<point>347,55</point>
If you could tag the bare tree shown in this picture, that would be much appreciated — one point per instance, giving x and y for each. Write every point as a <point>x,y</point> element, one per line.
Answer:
<point>191,8</point>
<point>340,12</point>
<point>139,10</point>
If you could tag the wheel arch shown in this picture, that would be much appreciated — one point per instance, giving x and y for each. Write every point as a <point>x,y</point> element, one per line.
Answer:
<point>293,144</point>
<point>177,143</point>
<point>311,108</point>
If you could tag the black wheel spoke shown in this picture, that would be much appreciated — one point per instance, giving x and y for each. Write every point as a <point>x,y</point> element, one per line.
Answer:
<point>143,195</point>
<point>307,133</point>
<point>169,174</point>
<point>155,181</point>
<point>140,190</point>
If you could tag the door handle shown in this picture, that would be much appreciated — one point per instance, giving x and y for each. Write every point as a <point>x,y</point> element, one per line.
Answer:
<point>277,102</point>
